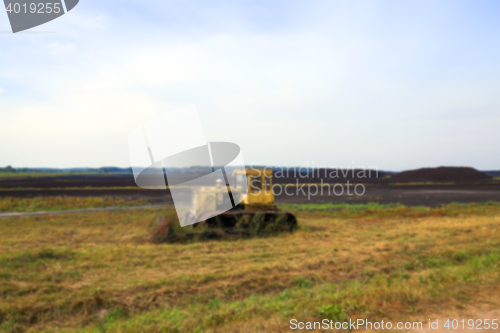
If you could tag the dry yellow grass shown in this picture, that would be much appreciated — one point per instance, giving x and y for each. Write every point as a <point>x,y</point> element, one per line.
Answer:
<point>98,272</point>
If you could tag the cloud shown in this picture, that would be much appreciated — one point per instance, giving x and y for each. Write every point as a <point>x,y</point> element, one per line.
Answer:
<point>331,83</point>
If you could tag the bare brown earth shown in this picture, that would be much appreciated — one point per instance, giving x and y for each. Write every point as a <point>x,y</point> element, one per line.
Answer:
<point>411,195</point>
<point>127,180</point>
<point>300,175</point>
<point>441,174</point>
<point>118,180</point>
<point>381,190</point>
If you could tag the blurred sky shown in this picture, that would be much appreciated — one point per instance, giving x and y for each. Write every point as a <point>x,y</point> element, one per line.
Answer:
<point>392,84</point>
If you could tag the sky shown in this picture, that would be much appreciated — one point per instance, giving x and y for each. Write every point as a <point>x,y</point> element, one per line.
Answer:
<point>396,85</point>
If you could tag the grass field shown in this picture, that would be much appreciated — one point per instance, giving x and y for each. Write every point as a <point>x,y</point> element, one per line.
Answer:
<point>11,204</point>
<point>98,272</point>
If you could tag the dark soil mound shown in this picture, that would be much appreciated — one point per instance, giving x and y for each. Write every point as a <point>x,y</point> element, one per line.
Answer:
<point>440,175</point>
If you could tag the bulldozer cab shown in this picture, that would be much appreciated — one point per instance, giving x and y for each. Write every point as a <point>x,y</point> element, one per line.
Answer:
<point>251,194</point>
<point>259,191</point>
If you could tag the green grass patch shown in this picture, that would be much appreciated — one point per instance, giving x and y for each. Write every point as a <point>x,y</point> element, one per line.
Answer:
<point>376,210</point>
<point>335,301</point>
<point>12,204</point>
<point>99,272</point>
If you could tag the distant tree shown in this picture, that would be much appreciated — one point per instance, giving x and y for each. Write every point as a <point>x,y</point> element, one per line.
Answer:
<point>8,169</point>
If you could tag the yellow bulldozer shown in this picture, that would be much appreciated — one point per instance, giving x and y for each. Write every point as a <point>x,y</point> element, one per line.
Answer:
<point>254,214</point>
